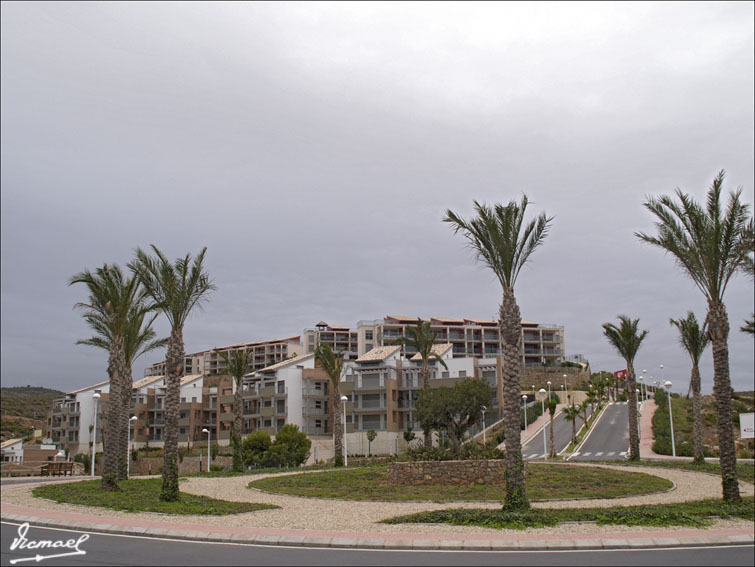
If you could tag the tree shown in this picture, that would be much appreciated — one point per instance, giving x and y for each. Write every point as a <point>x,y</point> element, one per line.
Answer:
<point>290,448</point>
<point>694,340</point>
<point>591,396</point>
<point>114,304</point>
<point>503,244</point>
<point>454,409</point>
<point>749,268</point>
<point>626,339</point>
<point>332,363</point>
<point>710,245</point>
<point>237,364</point>
<point>422,339</point>
<point>409,435</point>
<point>371,436</point>
<point>176,289</point>
<point>254,446</point>
<point>571,413</point>
<point>138,339</point>
<point>551,406</point>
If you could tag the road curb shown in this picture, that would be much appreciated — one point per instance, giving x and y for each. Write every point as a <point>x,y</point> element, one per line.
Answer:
<point>405,542</point>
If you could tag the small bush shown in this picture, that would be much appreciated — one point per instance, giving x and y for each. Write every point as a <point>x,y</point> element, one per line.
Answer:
<point>254,447</point>
<point>216,468</point>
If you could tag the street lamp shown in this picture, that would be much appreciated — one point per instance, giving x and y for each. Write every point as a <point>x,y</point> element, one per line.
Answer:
<point>524,402</point>
<point>565,388</point>
<point>60,453</point>
<point>668,384</point>
<point>533,389</point>
<point>549,389</point>
<point>345,399</point>
<point>542,391</point>
<point>205,430</point>
<point>96,398</point>
<point>128,453</point>
<point>640,379</point>
<point>484,409</point>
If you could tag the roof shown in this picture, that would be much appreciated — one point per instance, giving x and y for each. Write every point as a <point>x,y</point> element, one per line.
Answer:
<point>403,318</point>
<point>447,320</point>
<point>10,442</point>
<point>379,353</point>
<point>255,343</point>
<point>90,387</point>
<point>439,349</point>
<point>480,321</point>
<point>189,378</point>
<point>146,381</point>
<point>287,362</point>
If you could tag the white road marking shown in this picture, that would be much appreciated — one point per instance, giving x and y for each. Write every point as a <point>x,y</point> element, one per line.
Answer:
<point>611,454</point>
<point>599,453</point>
<point>587,454</point>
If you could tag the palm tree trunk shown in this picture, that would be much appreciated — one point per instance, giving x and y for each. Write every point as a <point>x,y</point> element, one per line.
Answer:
<point>112,429</point>
<point>425,387</point>
<point>123,452</point>
<point>552,451</point>
<point>510,323</point>
<point>634,437</point>
<point>236,431</point>
<point>574,430</point>
<point>697,414</point>
<point>718,330</point>
<point>174,362</point>
<point>337,425</point>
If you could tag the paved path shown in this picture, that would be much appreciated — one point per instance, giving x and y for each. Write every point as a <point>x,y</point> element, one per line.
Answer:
<point>609,436</point>
<point>332,523</point>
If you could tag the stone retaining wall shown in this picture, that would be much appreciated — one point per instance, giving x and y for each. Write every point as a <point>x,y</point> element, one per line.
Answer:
<point>447,472</point>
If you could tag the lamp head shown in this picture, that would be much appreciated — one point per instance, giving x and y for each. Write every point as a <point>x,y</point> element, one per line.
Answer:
<point>667,384</point>
<point>133,418</point>
<point>344,398</point>
<point>96,396</point>
<point>205,430</point>
<point>542,391</point>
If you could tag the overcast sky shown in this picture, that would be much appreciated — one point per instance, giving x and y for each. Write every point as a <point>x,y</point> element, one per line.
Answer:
<point>314,148</point>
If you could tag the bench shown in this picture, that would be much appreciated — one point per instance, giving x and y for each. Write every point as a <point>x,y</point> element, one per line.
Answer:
<point>56,469</point>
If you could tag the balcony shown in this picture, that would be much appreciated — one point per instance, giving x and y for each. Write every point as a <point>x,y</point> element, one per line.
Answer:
<point>267,412</point>
<point>314,392</point>
<point>267,391</point>
<point>184,422</point>
<point>227,400</point>
<point>346,388</point>
<point>315,431</point>
<point>314,411</point>
<point>226,417</point>
<point>370,407</point>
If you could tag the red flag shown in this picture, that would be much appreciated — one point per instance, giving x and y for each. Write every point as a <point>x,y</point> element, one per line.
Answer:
<point>621,374</point>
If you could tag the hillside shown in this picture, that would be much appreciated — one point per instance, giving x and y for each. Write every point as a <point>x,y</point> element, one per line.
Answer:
<point>24,409</point>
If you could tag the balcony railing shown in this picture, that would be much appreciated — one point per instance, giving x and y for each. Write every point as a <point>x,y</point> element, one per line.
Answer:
<point>314,392</point>
<point>314,411</point>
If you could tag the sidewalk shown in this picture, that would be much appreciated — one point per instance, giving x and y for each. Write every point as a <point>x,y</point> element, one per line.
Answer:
<point>437,539</point>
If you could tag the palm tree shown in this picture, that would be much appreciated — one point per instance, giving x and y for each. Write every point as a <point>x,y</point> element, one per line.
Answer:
<point>332,363</point>
<point>591,396</point>
<point>422,339</point>
<point>551,407</point>
<point>139,338</point>
<point>710,244</point>
<point>113,303</point>
<point>503,244</point>
<point>237,364</point>
<point>627,340</point>
<point>749,268</point>
<point>694,340</point>
<point>176,288</point>
<point>571,413</point>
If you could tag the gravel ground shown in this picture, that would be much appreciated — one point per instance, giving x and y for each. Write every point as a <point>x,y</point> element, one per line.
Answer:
<point>350,516</point>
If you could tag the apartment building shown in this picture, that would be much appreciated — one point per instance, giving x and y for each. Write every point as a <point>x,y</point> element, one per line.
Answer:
<point>193,364</point>
<point>340,339</point>
<point>69,418</point>
<point>542,344</point>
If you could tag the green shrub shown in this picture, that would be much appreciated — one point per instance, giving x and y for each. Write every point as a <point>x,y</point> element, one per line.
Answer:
<point>216,468</point>
<point>254,447</point>
<point>290,448</point>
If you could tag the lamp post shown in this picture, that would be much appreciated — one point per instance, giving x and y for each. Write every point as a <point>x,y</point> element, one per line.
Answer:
<point>549,389</point>
<point>60,453</point>
<point>205,430</point>
<point>96,398</point>
<point>533,389</point>
<point>345,399</point>
<point>542,391</point>
<point>128,453</point>
<point>668,385</point>
<point>640,379</point>
<point>484,409</point>
<point>524,402</point>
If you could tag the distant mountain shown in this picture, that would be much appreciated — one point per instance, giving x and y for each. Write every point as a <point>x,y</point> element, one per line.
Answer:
<point>24,408</point>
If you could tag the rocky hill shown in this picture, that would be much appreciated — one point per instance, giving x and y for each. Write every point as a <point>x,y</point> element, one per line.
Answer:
<point>24,409</point>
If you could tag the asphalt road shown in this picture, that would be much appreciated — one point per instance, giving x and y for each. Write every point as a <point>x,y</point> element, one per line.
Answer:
<point>126,550</point>
<point>533,449</point>
<point>609,439</point>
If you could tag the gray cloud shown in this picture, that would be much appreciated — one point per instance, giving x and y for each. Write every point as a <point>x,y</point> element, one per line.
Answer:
<point>314,149</point>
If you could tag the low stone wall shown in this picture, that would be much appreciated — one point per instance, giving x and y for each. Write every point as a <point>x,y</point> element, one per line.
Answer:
<point>447,472</point>
<point>154,465</point>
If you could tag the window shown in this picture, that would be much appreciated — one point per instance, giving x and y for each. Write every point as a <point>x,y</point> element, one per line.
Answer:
<point>462,373</point>
<point>281,387</point>
<point>183,400</point>
<point>368,335</point>
<point>368,346</point>
<point>194,399</point>
<point>444,374</point>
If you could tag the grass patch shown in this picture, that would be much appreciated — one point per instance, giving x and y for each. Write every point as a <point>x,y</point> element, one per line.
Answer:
<point>544,482</point>
<point>251,472</point>
<point>745,471</point>
<point>141,495</point>
<point>693,514</point>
